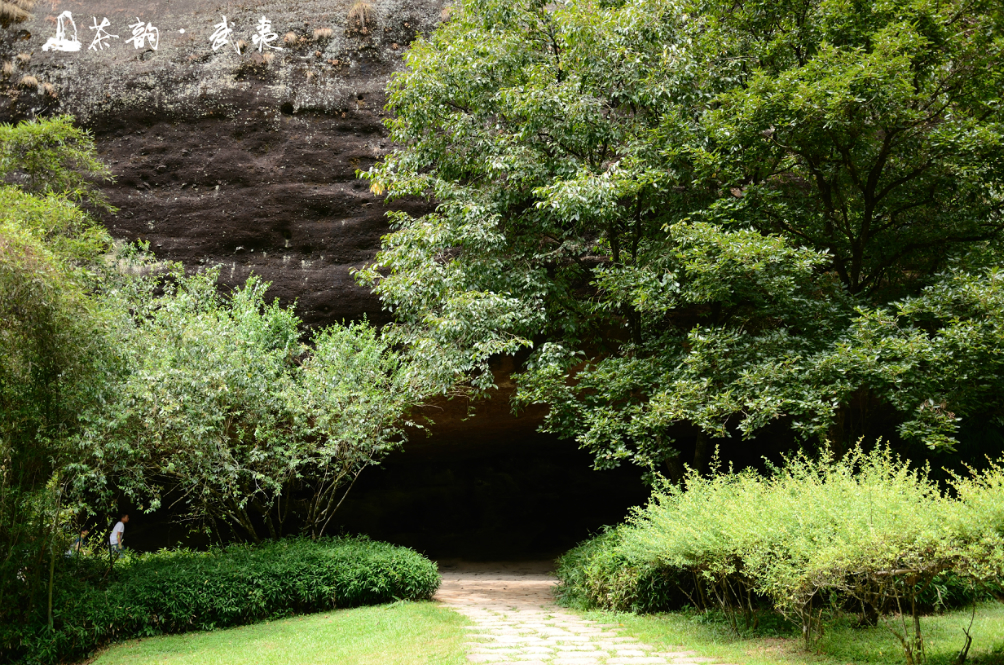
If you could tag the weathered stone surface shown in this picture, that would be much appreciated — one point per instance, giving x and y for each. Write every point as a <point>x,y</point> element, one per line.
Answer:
<point>246,160</point>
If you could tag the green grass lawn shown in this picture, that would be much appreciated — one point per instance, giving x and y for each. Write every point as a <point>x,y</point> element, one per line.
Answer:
<point>402,633</point>
<point>406,633</point>
<point>779,644</point>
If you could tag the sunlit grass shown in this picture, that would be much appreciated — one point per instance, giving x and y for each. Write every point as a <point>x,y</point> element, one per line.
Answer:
<point>778,644</point>
<point>401,633</point>
<point>428,634</point>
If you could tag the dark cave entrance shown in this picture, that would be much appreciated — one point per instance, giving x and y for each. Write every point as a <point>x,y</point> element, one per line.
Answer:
<point>473,494</point>
<point>523,495</point>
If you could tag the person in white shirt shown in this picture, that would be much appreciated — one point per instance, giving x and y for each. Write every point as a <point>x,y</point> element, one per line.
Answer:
<point>118,533</point>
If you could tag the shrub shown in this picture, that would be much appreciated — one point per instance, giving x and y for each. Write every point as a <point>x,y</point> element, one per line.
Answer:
<point>15,11</point>
<point>978,523</point>
<point>598,573</point>
<point>951,591</point>
<point>178,591</point>
<point>866,533</point>
<point>361,17</point>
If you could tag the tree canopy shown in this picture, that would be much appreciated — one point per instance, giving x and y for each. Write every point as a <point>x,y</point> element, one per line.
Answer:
<point>706,214</point>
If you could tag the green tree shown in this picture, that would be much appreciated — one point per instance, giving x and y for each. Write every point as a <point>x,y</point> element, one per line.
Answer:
<point>692,210</point>
<point>57,341</point>
<point>224,411</point>
<point>353,398</point>
<point>199,409</point>
<point>52,156</point>
<point>53,258</point>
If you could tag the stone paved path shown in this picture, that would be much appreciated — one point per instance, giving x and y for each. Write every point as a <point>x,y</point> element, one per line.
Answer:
<point>515,621</point>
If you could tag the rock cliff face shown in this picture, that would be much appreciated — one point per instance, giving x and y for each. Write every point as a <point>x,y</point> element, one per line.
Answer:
<point>226,150</point>
<point>229,151</point>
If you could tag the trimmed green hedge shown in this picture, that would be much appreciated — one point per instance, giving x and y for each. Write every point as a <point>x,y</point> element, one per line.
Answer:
<point>178,591</point>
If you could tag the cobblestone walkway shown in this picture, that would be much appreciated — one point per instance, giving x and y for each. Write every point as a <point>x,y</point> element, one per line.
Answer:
<point>515,622</point>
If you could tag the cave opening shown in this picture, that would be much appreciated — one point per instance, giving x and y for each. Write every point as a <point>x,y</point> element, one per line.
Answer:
<point>512,495</point>
<point>520,496</point>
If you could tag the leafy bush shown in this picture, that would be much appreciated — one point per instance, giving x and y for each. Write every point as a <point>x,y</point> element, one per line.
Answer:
<point>979,522</point>
<point>219,402</point>
<point>178,591</point>
<point>866,533</point>
<point>598,573</point>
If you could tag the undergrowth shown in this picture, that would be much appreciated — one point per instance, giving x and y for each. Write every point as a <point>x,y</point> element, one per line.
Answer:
<point>183,590</point>
<point>815,540</point>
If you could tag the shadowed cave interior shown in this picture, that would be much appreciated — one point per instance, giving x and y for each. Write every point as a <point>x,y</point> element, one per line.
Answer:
<point>492,488</point>
<point>514,495</point>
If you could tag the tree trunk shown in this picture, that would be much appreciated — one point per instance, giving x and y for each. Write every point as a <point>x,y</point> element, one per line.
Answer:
<point>52,573</point>
<point>674,468</point>
<point>702,453</point>
<point>836,437</point>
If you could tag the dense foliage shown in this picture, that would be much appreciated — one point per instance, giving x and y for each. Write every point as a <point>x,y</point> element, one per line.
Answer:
<point>707,216</point>
<point>173,592</point>
<point>597,574</point>
<point>865,533</point>
<point>222,406</point>
<point>124,381</point>
<point>58,343</point>
<point>52,157</point>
